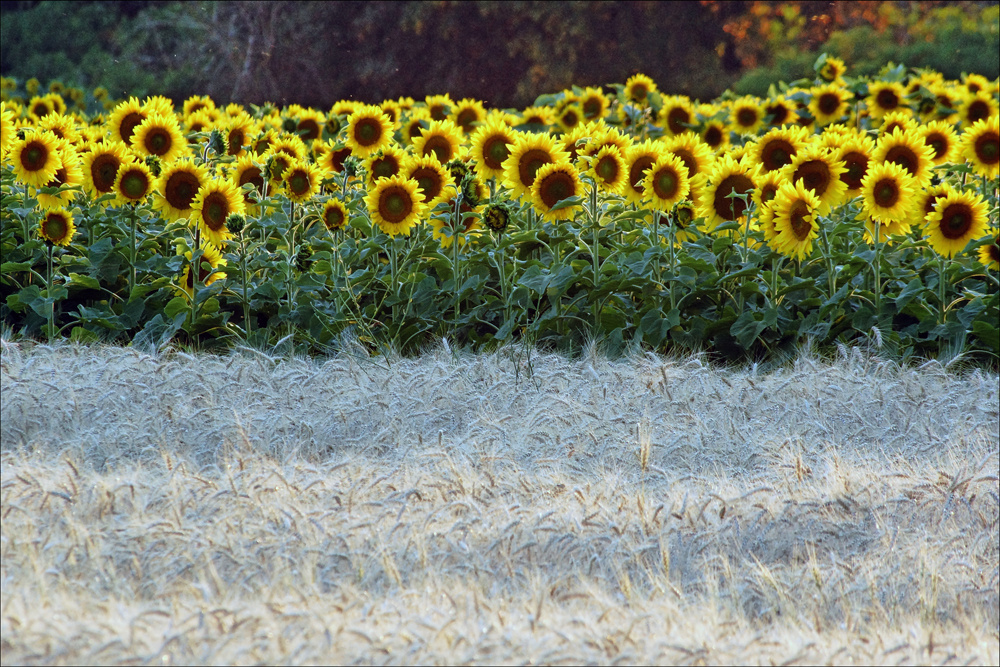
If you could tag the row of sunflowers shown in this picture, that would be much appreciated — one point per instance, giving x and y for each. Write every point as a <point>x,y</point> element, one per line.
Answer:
<point>836,210</point>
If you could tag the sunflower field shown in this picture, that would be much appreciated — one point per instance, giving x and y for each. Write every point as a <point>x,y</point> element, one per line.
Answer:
<point>836,210</point>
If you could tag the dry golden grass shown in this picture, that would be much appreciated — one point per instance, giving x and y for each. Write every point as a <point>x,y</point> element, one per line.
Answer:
<point>477,509</point>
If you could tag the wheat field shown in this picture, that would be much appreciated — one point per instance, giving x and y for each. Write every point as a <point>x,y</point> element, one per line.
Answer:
<point>172,508</point>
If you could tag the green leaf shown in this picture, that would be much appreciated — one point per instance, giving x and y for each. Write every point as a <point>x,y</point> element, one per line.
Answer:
<point>177,305</point>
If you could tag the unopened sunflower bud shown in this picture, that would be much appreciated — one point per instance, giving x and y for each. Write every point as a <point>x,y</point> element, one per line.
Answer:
<point>498,215</point>
<point>351,165</point>
<point>235,223</point>
<point>218,143</point>
<point>155,167</point>
<point>458,169</point>
<point>470,190</point>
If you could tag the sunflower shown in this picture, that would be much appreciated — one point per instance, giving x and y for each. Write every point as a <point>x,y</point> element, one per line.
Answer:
<point>419,119</point>
<point>291,145</point>
<point>70,173</point>
<point>442,138</point>
<point>35,158</point>
<point>603,136</point>
<point>941,139</point>
<point>946,100</point>
<point>957,218</point>
<point>212,256</point>
<point>831,69</point>
<point>829,104</point>
<point>901,118</point>
<point>491,144</point>
<point>554,182</point>
<point>439,106</point>
<point>666,182</point>
<point>638,87</point>
<point>569,115</point>
<point>57,227</point>
<point>133,182</point>
<point>778,147</point>
<point>331,158</point>
<point>468,114</point>
<point>127,116</point>
<point>729,176</point>
<point>334,215</point>
<point>309,123</point>
<point>392,109</point>
<point>638,159</point>
<point>593,103</point>
<point>981,146</point>
<point>746,115</point>
<point>100,167</point>
<point>395,205</point>
<point>908,150</point>
<point>821,172</point>
<point>780,111</point>
<point>796,220</point>
<point>301,181</point>
<point>677,114</point>
<point>385,163</point>
<point>527,155</point>
<point>889,193</point>
<point>214,203</point>
<point>883,97</point>
<point>976,107</point>
<point>538,116</point>
<point>608,170</point>
<point>854,150</point>
<point>368,130</point>
<point>177,187</point>
<point>715,134</point>
<point>683,222</point>
<point>246,171</point>
<point>238,129</point>
<point>989,254</point>
<point>199,121</point>
<point>575,141</point>
<point>160,136</point>
<point>763,197</point>
<point>39,107</point>
<point>197,103</point>
<point>64,127</point>
<point>432,178</point>
<point>6,129</point>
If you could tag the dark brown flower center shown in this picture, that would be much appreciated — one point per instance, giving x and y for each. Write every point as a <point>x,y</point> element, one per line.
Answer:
<point>800,221</point>
<point>956,220</point>
<point>637,172</point>
<point>886,192</point>
<point>731,208</point>
<point>776,154</point>
<point>555,187</point>
<point>530,163</point>
<point>181,189</point>
<point>215,210</point>
<point>395,204</point>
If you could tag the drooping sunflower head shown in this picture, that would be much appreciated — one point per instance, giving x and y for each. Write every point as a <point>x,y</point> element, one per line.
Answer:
<point>387,162</point>
<point>553,183</point>
<point>796,220</point>
<point>301,181</point>
<point>491,144</point>
<point>957,218</point>
<point>434,181</point>
<point>334,215</point>
<point>368,130</point>
<point>666,182</point>
<point>821,172</point>
<point>133,182</point>
<point>36,158</point>
<point>57,227</point>
<point>468,114</point>
<point>981,146</point>
<point>497,216</point>
<point>395,205</point>
<point>528,154</point>
<point>442,138</point>
<point>608,169</point>
<point>889,193</point>
<point>908,150</point>
<point>638,87</point>
<point>211,260</point>
<point>214,203</point>
<point>727,191</point>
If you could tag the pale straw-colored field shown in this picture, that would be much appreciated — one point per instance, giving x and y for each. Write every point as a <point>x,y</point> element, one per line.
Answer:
<point>483,509</point>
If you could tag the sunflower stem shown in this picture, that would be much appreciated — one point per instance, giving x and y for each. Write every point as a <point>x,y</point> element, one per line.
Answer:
<point>831,274</point>
<point>942,267</point>
<point>133,219</point>
<point>878,270</point>
<point>243,275</point>
<point>595,251</point>
<point>671,241</point>
<point>50,329</point>
<point>455,256</point>
<point>656,240</point>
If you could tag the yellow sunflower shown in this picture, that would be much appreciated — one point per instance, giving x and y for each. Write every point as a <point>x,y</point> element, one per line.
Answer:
<point>821,172</point>
<point>127,116</point>
<point>666,182</point>
<point>594,103</point>
<point>746,115</point>
<point>677,114</point>
<point>908,150</point>
<point>442,138</point>
<point>538,116</point>
<point>693,152</point>
<point>334,215</point>
<point>439,106</point>
<point>831,69</point>
<point>133,182</point>
<point>417,120</point>
<point>941,139</point>
<point>368,130</point>
<point>683,222</point>
<point>301,181</point>
<point>796,220</point>
<point>491,144</point>
<point>715,135</point>
<point>554,182</point>
<point>468,114</point>
<point>238,130</point>
<point>309,124</point>
<point>778,147</point>
<point>197,103</point>
<point>331,158</point>
<point>527,155</point>
<point>883,97</point>
<point>638,87</point>
<point>64,127</point>
<point>981,146</point>
<point>35,158</point>
<point>889,193</point>
<point>957,218</point>
<point>246,170</point>
<point>976,107</point>
<point>214,203</point>
<point>199,121</point>
<point>387,162</point>
<point>393,110</point>
<point>829,103</point>
<point>569,116</point>
<point>608,170</point>
<point>989,254</point>
<point>212,256</point>
<point>160,136</point>
<point>433,179</point>
<point>779,111</point>
<point>6,129</point>
<point>639,158</point>
<point>854,150</point>
<point>70,173</point>
<point>763,197</point>
<point>57,227</point>
<point>728,177</point>
<point>100,167</point>
<point>395,205</point>
<point>176,188</point>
